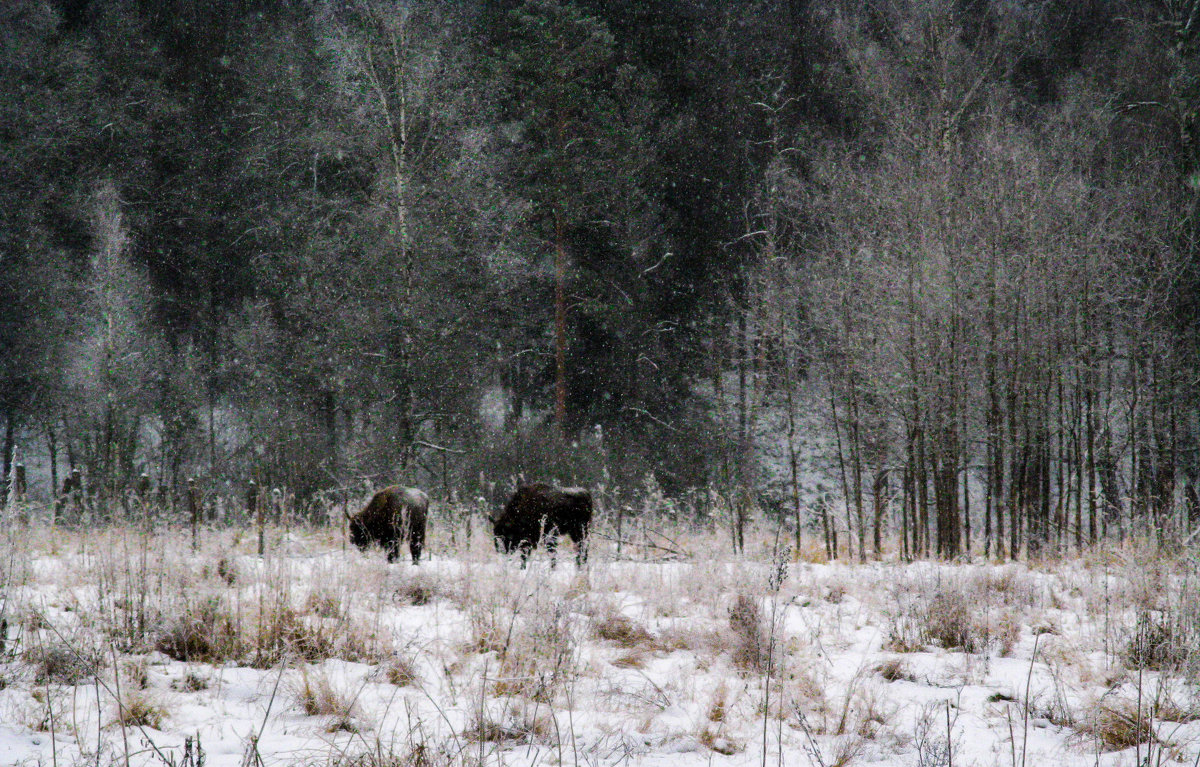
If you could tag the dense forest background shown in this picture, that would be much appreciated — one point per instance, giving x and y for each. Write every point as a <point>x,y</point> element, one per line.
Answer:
<point>672,248</point>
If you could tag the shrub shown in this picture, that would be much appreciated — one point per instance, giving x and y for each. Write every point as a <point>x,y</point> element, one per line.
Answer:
<point>947,613</point>
<point>1159,642</point>
<point>751,645</point>
<point>227,571</point>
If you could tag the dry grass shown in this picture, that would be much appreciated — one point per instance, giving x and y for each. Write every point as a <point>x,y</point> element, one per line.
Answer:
<point>136,673</point>
<point>599,643</point>
<point>401,671</point>
<point>413,753</point>
<point>895,669</point>
<point>140,708</point>
<point>975,614</point>
<point>191,682</point>
<point>1172,708</point>
<point>635,658</point>
<point>752,648</point>
<point>63,662</point>
<point>1118,724</point>
<point>615,627</point>
<point>713,739</point>
<point>1162,642</point>
<point>538,659</point>
<point>524,724</point>
<point>694,637</point>
<point>317,695</point>
<point>207,630</point>
<point>531,626</point>
<point>45,708</point>
<point>420,588</point>
<point>324,602</point>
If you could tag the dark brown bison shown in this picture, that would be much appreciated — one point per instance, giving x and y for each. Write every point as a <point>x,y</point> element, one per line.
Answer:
<point>537,512</point>
<point>394,514</point>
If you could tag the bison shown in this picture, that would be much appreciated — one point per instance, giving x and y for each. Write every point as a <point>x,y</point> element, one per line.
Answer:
<point>394,514</point>
<point>540,511</point>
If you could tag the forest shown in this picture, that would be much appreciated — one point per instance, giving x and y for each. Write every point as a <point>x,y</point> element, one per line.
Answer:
<point>941,254</point>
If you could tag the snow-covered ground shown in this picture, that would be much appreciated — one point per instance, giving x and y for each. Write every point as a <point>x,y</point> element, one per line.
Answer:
<point>122,642</point>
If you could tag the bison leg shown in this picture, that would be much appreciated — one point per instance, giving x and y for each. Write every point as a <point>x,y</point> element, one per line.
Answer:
<point>581,548</point>
<point>393,550</point>
<point>526,548</point>
<point>416,543</point>
<point>551,539</point>
<point>578,534</point>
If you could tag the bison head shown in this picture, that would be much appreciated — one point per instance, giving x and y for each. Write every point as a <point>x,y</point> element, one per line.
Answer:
<point>358,533</point>
<point>499,533</point>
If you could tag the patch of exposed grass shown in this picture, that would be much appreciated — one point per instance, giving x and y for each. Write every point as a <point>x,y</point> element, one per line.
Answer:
<point>63,663</point>
<point>141,709</point>
<point>191,682</point>
<point>401,671</point>
<point>894,669</point>
<point>751,642</point>
<point>948,613</point>
<point>521,725</point>
<point>635,658</point>
<point>206,631</point>
<point>317,696</point>
<point>618,628</point>
<point>1118,725</point>
<point>324,602</point>
<point>1161,642</point>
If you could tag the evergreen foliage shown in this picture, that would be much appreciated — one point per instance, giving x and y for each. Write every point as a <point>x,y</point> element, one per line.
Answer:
<point>427,242</point>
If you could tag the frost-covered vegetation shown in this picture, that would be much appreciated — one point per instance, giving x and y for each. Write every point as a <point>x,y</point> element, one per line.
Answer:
<point>126,645</point>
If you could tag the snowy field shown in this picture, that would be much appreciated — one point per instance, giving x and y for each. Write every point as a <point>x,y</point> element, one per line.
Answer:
<point>125,647</point>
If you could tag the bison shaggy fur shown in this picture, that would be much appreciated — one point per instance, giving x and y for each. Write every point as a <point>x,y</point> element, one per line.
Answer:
<point>537,512</point>
<point>393,515</point>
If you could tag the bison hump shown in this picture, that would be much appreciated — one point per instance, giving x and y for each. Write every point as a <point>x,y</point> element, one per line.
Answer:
<point>412,497</point>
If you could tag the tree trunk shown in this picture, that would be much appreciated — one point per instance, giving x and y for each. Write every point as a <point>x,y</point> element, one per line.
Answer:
<point>857,473</point>
<point>395,117</point>
<point>837,433</point>
<point>52,448</point>
<point>879,493</point>
<point>794,464</point>
<point>10,428</point>
<point>922,480</point>
<point>560,325</point>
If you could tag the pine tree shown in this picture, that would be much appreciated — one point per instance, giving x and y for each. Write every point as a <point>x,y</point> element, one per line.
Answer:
<point>558,70</point>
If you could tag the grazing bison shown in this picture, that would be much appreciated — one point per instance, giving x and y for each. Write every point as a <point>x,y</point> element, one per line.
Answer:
<point>537,511</point>
<point>394,514</point>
